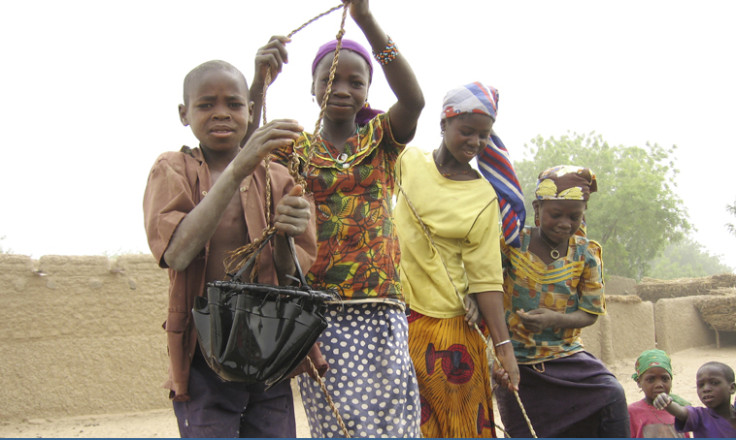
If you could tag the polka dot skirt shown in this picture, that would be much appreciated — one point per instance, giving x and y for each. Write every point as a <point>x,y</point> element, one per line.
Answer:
<point>371,378</point>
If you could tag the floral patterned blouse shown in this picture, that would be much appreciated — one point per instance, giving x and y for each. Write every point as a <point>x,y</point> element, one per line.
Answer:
<point>570,283</point>
<point>358,250</point>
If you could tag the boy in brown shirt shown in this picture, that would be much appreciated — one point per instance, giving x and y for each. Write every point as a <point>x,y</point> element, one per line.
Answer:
<point>201,203</point>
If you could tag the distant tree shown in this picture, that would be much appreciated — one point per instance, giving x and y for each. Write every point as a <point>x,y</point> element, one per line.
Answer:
<point>731,210</point>
<point>636,210</point>
<point>686,259</point>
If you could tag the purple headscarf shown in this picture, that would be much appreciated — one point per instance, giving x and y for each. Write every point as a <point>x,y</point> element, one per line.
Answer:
<point>330,47</point>
<point>366,113</point>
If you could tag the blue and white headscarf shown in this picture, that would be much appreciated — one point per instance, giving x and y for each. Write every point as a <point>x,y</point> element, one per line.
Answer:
<point>493,162</point>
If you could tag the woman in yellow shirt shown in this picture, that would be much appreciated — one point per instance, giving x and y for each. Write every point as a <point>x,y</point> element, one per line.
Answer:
<point>460,209</point>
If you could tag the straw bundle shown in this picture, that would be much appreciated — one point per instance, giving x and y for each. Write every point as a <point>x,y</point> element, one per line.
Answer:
<point>652,290</point>
<point>616,285</point>
<point>623,299</point>
<point>719,312</point>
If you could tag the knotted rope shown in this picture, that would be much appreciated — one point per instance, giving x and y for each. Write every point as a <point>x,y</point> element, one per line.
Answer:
<point>243,253</point>
<point>237,257</point>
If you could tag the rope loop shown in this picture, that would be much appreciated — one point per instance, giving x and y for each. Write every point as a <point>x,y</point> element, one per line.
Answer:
<point>239,256</point>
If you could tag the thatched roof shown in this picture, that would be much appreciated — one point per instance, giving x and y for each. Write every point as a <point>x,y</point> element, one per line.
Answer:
<point>616,285</point>
<point>651,289</point>
<point>719,312</point>
<point>623,299</point>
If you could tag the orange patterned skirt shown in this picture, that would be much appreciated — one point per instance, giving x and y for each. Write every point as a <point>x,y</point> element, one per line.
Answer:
<point>454,379</point>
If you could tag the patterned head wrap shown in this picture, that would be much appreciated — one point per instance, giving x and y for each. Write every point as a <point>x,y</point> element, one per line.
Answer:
<point>651,358</point>
<point>366,113</point>
<point>566,182</point>
<point>470,98</point>
<point>493,161</point>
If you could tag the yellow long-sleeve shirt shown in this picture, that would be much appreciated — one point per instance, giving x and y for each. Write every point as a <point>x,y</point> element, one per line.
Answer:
<point>463,219</point>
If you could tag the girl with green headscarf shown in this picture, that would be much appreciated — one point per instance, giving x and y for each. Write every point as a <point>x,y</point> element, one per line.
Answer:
<point>654,376</point>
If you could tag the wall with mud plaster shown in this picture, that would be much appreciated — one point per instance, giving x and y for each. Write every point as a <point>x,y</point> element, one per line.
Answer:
<point>83,336</point>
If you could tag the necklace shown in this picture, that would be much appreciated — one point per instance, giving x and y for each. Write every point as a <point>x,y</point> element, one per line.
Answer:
<point>553,252</point>
<point>343,159</point>
<point>469,171</point>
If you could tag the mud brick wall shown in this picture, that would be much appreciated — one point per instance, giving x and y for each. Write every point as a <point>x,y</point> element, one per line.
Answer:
<point>81,335</point>
<point>623,332</point>
<point>679,324</point>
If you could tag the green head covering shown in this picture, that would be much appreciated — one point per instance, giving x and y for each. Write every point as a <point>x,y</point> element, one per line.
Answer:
<point>656,358</point>
<point>649,359</point>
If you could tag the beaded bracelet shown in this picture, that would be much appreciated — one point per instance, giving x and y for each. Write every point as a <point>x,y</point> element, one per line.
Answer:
<point>388,53</point>
<point>503,342</point>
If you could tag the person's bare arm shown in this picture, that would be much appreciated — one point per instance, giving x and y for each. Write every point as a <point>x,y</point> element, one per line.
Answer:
<point>539,319</point>
<point>269,59</point>
<point>199,224</point>
<point>491,307</point>
<point>665,402</point>
<point>399,75</point>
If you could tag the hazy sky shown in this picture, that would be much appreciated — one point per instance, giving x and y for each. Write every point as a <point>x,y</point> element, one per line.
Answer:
<point>90,92</point>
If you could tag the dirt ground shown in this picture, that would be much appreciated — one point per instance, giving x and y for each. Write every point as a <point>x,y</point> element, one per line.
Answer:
<point>162,423</point>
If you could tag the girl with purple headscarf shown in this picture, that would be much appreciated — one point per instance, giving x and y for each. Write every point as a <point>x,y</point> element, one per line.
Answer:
<point>349,168</point>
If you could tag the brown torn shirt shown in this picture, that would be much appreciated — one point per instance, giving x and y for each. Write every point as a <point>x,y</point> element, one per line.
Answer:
<point>176,183</point>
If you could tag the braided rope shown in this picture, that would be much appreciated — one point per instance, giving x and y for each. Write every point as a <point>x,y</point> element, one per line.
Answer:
<point>323,387</point>
<point>328,91</point>
<point>483,337</point>
<point>317,17</point>
<point>294,160</point>
<point>235,259</point>
<point>244,252</point>
<point>239,256</point>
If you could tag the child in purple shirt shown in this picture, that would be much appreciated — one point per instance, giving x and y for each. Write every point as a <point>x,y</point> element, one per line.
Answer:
<point>715,384</point>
